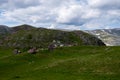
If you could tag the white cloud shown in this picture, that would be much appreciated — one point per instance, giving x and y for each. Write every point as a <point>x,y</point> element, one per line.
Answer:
<point>114,13</point>
<point>72,27</point>
<point>66,27</point>
<point>104,3</point>
<point>107,27</point>
<point>67,14</point>
<point>94,24</point>
<point>10,4</point>
<point>76,14</point>
<point>52,26</point>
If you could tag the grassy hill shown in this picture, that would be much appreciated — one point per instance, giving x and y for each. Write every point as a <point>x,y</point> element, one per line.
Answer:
<point>25,36</point>
<point>67,63</point>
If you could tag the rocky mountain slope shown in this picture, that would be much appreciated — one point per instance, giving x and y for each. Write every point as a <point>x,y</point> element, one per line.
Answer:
<point>25,36</point>
<point>111,37</point>
<point>4,29</point>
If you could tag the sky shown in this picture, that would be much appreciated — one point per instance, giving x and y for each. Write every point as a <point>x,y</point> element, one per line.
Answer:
<point>61,14</point>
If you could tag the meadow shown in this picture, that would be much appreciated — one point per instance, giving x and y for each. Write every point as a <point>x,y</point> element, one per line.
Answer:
<point>66,63</point>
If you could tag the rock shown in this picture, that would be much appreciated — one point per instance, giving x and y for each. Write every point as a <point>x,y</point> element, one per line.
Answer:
<point>32,51</point>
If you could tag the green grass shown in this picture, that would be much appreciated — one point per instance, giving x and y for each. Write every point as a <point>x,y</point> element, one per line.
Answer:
<point>69,63</point>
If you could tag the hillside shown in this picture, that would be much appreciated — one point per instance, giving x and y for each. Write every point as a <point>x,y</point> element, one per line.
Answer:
<point>26,36</point>
<point>111,37</point>
<point>22,27</point>
<point>68,63</point>
<point>4,30</point>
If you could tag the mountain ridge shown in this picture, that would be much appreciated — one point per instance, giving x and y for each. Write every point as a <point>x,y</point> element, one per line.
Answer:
<point>25,36</point>
<point>111,37</point>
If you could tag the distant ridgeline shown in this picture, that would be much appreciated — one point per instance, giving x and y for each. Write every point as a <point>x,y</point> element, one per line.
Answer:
<point>25,36</point>
<point>111,37</point>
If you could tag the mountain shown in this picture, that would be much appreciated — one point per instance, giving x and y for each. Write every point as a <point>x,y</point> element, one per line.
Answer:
<point>88,39</point>
<point>111,37</point>
<point>4,29</point>
<point>25,36</point>
<point>21,27</point>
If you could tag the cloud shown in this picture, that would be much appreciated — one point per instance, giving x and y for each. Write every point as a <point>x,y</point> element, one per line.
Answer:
<point>105,4</point>
<point>72,27</point>
<point>66,27</point>
<point>67,14</point>
<point>94,24</point>
<point>76,14</point>
<point>10,4</point>
<point>52,26</point>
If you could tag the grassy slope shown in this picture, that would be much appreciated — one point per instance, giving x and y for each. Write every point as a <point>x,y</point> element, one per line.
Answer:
<point>73,63</point>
